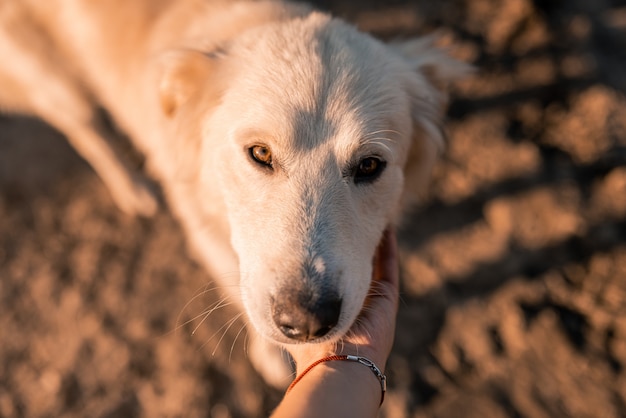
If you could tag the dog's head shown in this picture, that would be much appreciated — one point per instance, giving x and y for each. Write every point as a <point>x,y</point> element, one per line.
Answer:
<point>313,132</point>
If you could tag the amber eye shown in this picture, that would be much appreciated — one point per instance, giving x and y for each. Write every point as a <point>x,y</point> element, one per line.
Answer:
<point>368,170</point>
<point>261,155</point>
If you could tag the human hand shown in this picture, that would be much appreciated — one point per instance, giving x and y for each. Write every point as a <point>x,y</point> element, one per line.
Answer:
<point>373,332</point>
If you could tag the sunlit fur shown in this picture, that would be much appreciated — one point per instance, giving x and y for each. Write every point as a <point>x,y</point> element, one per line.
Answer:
<point>195,83</point>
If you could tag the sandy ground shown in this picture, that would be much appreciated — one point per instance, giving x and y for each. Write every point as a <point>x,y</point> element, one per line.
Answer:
<point>514,270</point>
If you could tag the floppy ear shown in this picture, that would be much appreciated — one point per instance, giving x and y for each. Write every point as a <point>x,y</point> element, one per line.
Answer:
<point>187,77</point>
<point>432,62</point>
<point>433,72</point>
<point>183,73</point>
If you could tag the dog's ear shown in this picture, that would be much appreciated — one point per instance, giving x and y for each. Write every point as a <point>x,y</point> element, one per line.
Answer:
<point>434,63</point>
<point>427,85</point>
<point>182,74</point>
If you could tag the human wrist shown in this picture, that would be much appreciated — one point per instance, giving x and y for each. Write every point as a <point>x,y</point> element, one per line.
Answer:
<point>333,388</point>
<point>304,360</point>
<point>359,377</point>
<point>332,362</point>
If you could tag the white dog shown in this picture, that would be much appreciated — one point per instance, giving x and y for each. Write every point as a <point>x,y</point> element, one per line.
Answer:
<point>285,140</point>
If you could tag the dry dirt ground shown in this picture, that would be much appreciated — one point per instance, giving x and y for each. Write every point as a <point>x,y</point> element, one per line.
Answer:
<point>514,270</point>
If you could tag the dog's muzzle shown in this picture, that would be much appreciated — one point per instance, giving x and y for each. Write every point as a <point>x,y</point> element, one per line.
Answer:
<point>302,317</point>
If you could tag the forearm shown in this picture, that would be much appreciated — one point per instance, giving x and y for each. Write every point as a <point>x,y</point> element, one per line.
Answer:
<point>333,389</point>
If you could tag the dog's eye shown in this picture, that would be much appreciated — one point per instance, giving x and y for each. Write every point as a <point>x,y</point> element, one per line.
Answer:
<point>368,170</point>
<point>261,155</point>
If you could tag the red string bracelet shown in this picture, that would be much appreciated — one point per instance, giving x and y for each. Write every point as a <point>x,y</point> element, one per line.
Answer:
<point>362,360</point>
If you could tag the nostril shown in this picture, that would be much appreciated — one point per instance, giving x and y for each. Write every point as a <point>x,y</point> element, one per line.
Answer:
<point>308,321</point>
<point>322,331</point>
<point>291,322</point>
<point>293,333</point>
<point>326,317</point>
<point>290,331</point>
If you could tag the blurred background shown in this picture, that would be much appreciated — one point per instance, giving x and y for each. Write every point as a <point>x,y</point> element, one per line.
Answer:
<point>514,269</point>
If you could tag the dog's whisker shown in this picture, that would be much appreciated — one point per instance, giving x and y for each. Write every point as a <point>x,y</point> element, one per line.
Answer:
<point>287,359</point>
<point>216,305</point>
<point>180,324</point>
<point>222,303</point>
<point>209,287</point>
<point>198,294</point>
<point>245,342</point>
<point>201,291</point>
<point>232,346</point>
<point>220,329</point>
<point>230,324</point>
<point>204,290</point>
<point>205,316</point>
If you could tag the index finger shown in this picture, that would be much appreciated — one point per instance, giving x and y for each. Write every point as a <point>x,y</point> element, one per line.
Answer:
<point>386,259</point>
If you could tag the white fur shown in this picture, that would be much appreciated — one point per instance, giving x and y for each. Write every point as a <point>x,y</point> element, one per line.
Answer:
<point>196,83</point>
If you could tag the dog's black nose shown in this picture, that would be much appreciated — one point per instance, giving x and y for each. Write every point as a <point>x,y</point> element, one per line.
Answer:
<point>306,321</point>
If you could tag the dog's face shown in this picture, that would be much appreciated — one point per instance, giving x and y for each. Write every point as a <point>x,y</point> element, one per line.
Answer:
<point>308,142</point>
